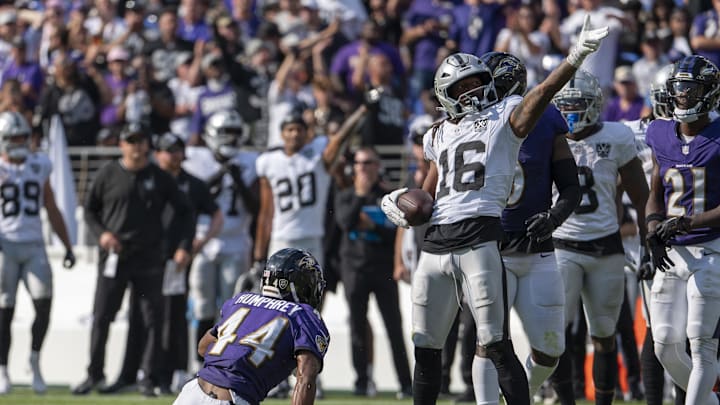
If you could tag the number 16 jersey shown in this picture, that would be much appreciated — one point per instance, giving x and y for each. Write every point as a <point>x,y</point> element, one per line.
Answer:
<point>598,158</point>
<point>475,160</point>
<point>300,185</point>
<point>21,191</point>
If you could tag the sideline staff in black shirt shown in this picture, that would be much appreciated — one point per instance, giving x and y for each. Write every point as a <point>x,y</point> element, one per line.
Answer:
<point>124,210</point>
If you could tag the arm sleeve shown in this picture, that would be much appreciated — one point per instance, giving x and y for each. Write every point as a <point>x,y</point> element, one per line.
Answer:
<point>564,173</point>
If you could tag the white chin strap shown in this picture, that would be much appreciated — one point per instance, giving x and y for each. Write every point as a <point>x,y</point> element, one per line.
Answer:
<point>686,115</point>
<point>227,151</point>
<point>19,152</point>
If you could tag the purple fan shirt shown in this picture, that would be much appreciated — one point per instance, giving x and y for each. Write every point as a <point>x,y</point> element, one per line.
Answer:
<point>194,32</point>
<point>706,25</point>
<point>426,48</point>
<point>614,113</point>
<point>534,189</point>
<point>258,338</point>
<point>690,174</point>
<point>29,73</point>
<point>475,28</point>
<point>344,60</point>
<point>208,103</point>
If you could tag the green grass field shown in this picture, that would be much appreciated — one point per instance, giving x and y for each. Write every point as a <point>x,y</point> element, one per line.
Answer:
<point>62,396</point>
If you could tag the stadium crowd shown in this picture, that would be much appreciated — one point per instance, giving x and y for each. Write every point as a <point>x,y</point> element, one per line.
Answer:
<point>259,99</point>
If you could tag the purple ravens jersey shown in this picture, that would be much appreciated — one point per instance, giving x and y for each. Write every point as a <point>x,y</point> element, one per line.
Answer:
<point>257,339</point>
<point>532,185</point>
<point>690,173</point>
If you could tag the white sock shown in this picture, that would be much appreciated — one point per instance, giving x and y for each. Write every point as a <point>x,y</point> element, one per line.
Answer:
<point>485,381</point>
<point>536,374</point>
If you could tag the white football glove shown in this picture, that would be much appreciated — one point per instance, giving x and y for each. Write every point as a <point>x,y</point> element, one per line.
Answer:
<point>587,43</point>
<point>391,210</point>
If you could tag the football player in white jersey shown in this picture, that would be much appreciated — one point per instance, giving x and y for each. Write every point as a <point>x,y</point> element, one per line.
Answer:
<point>294,185</point>
<point>588,246</point>
<point>472,158</point>
<point>24,190</point>
<point>230,174</point>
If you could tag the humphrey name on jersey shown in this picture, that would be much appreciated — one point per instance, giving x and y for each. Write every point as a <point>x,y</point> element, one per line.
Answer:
<point>274,304</point>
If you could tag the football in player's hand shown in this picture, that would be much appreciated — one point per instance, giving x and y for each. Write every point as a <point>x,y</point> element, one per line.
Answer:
<point>417,205</point>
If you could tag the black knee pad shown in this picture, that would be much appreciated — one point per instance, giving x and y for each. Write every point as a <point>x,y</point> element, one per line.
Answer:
<point>604,344</point>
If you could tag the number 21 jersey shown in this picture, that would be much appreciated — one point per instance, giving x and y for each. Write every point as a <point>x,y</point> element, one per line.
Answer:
<point>690,174</point>
<point>598,158</point>
<point>476,161</point>
<point>21,191</point>
<point>300,185</point>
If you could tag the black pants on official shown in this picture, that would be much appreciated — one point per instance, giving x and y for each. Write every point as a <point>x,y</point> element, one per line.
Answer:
<point>174,340</point>
<point>358,286</point>
<point>143,272</point>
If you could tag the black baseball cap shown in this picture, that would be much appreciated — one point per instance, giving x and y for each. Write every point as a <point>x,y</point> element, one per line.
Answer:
<point>293,118</point>
<point>134,128</point>
<point>169,141</point>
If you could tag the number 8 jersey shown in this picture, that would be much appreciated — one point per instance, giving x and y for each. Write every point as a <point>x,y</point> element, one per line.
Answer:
<point>21,191</point>
<point>300,185</point>
<point>598,158</point>
<point>476,161</point>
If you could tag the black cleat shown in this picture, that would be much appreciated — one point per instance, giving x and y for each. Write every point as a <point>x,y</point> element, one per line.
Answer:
<point>88,385</point>
<point>118,386</point>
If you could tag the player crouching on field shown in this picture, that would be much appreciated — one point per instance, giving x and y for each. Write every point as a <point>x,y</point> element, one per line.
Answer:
<point>261,338</point>
<point>25,189</point>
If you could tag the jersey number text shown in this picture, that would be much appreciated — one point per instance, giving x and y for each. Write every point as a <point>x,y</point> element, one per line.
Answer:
<point>588,197</point>
<point>677,181</point>
<point>262,340</point>
<point>11,195</point>
<point>304,188</point>
<point>461,181</point>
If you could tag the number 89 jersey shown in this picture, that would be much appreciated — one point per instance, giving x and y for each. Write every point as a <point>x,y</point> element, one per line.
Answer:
<point>598,158</point>
<point>476,161</point>
<point>21,192</point>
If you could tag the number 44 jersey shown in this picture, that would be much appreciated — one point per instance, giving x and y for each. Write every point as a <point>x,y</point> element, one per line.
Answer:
<point>476,161</point>
<point>257,340</point>
<point>598,158</point>
<point>21,190</point>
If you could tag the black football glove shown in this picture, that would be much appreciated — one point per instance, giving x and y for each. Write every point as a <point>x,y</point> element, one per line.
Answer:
<point>540,226</point>
<point>668,228</point>
<point>252,279</point>
<point>69,259</point>
<point>658,252</point>
<point>645,270</point>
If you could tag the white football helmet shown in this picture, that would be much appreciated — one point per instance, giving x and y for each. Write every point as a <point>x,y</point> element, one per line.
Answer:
<point>455,68</point>
<point>13,125</point>
<point>659,96</point>
<point>224,132</point>
<point>580,101</point>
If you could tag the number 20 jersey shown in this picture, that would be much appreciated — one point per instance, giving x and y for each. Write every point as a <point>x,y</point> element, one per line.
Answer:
<point>690,174</point>
<point>300,185</point>
<point>598,158</point>
<point>21,191</point>
<point>258,338</point>
<point>476,161</point>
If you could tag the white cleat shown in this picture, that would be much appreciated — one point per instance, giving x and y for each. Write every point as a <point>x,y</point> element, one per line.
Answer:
<point>38,382</point>
<point>4,381</point>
